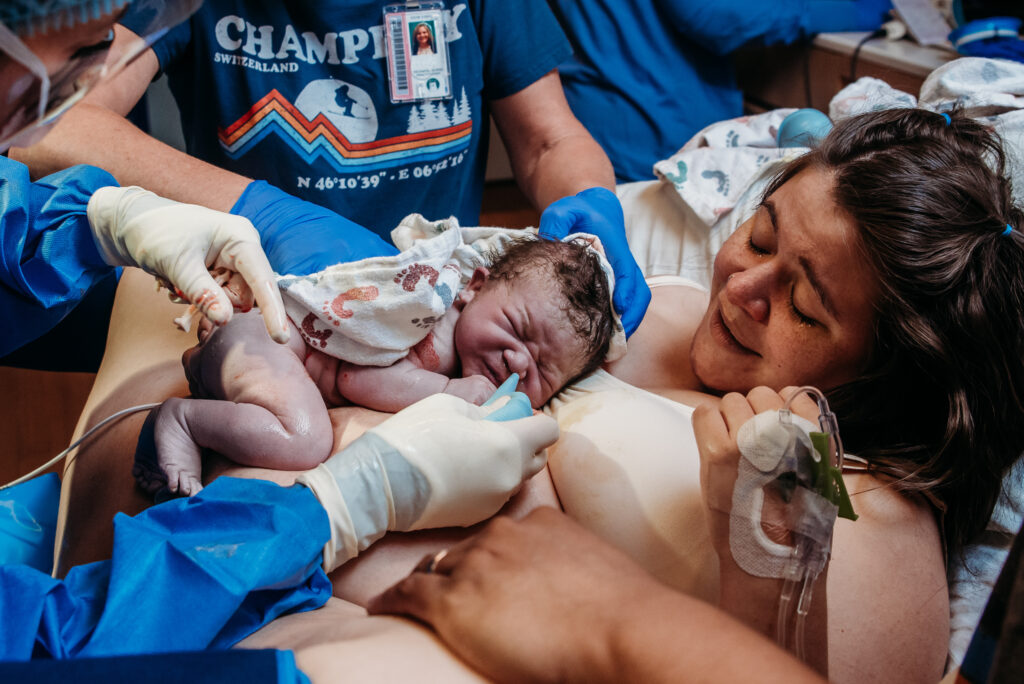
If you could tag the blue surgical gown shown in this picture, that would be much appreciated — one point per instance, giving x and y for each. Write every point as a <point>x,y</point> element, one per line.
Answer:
<point>48,259</point>
<point>188,574</point>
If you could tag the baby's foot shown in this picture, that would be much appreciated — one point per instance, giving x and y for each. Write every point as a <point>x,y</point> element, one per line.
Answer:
<point>146,469</point>
<point>167,460</point>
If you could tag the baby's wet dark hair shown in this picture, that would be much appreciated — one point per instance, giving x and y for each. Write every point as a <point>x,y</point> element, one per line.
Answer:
<point>575,273</point>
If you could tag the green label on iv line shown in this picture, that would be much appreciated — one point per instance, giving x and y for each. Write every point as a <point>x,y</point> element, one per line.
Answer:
<point>828,479</point>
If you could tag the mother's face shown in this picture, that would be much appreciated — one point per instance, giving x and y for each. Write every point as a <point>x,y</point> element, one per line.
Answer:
<point>792,300</point>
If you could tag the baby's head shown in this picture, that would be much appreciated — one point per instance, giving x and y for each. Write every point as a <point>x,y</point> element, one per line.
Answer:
<point>542,310</point>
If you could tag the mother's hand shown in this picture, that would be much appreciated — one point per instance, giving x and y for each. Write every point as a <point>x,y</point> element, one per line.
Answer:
<point>716,429</point>
<point>754,600</point>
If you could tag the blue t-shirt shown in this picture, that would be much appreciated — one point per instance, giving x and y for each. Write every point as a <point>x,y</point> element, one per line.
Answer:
<point>297,94</point>
<point>646,75</point>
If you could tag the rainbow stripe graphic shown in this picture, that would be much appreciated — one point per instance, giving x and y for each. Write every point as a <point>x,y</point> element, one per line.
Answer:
<point>319,138</point>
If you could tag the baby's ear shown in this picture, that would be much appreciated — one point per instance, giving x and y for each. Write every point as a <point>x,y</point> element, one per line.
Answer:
<point>476,281</point>
<point>479,277</point>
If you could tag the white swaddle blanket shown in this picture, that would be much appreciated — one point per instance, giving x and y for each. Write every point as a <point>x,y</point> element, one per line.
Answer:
<point>372,312</point>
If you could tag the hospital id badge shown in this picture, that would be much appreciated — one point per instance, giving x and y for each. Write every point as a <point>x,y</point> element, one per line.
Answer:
<point>417,52</point>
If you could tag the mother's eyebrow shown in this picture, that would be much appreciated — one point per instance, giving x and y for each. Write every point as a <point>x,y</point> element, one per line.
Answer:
<point>812,277</point>
<point>769,206</point>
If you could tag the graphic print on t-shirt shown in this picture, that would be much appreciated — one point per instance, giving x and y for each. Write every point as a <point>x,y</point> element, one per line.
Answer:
<point>337,121</point>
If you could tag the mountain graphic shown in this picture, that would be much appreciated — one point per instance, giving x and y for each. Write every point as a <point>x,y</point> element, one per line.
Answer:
<point>320,138</point>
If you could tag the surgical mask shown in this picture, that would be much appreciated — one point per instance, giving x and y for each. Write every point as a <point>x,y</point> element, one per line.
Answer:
<point>35,101</point>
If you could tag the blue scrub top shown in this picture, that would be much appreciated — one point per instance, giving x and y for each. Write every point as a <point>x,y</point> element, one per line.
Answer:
<point>646,75</point>
<point>48,258</point>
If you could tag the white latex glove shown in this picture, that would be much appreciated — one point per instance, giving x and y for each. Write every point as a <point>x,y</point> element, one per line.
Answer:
<point>437,463</point>
<point>180,244</point>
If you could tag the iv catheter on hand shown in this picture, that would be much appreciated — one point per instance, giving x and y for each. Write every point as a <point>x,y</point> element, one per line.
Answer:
<point>810,555</point>
<point>800,463</point>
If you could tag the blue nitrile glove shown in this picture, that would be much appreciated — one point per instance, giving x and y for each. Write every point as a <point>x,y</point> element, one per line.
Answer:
<point>597,211</point>
<point>300,237</point>
<point>803,128</point>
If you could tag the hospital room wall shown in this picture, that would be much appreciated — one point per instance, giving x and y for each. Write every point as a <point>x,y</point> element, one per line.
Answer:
<point>809,75</point>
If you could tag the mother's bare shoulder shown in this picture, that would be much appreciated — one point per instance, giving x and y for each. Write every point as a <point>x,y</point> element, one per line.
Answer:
<point>658,353</point>
<point>887,595</point>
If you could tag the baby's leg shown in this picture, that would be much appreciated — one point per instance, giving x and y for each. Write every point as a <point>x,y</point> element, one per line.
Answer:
<point>246,433</point>
<point>255,404</point>
<point>177,473</point>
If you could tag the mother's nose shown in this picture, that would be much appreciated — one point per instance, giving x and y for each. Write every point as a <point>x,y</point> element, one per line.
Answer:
<point>749,290</point>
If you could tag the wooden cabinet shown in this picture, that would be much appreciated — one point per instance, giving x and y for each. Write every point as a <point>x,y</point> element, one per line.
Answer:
<point>809,75</point>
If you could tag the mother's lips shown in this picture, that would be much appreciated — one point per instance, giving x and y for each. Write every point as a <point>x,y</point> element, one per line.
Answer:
<point>723,334</point>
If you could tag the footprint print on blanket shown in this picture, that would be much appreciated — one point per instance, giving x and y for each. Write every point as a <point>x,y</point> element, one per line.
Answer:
<point>314,337</point>
<point>679,178</point>
<point>409,277</point>
<point>337,305</point>
<point>721,177</point>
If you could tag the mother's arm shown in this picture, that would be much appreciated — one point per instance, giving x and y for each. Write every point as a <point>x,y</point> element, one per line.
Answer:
<point>886,602</point>
<point>141,364</point>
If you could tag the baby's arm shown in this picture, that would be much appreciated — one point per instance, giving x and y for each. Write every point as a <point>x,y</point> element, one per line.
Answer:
<point>394,387</point>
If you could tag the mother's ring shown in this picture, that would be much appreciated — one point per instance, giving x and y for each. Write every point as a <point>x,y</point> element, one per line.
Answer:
<point>434,560</point>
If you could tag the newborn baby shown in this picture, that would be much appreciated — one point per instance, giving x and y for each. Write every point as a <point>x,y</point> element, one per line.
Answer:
<point>541,310</point>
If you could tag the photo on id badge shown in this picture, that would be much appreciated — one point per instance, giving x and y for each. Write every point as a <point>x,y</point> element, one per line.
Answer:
<point>427,64</point>
<point>418,53</point>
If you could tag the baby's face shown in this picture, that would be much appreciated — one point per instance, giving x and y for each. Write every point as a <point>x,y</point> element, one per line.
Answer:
<point>517,327</point>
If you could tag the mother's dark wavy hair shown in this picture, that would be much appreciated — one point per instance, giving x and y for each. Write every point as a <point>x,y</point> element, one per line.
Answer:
<point>940,405</point>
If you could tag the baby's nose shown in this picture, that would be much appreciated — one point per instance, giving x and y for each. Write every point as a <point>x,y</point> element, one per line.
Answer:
<point>517,362</point>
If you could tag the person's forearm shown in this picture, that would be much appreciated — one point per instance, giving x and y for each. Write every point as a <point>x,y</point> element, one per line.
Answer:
<point>90,134</point>
<point>552,154</point>
<point>671,637</point>
<point>388,388</point>
<point>754,601</point>
<point>565,167</point>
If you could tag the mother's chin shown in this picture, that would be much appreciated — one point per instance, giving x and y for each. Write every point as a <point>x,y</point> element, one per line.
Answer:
<point>719,361</point>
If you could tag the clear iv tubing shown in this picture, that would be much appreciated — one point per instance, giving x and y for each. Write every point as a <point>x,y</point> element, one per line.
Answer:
<point>56,459</point>
<point>796,572</point>
<point>826,420</point>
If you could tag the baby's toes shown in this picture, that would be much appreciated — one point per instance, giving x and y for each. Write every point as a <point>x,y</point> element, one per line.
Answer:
<point>149,480</point>
<point>189,485</point>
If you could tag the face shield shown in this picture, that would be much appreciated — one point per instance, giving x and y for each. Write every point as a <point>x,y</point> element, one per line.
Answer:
<point>36,97</point>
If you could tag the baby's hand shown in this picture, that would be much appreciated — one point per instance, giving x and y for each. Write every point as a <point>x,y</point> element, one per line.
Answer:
<point>204,327</point>
<point>324,369</point>
<point>476,389</point>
